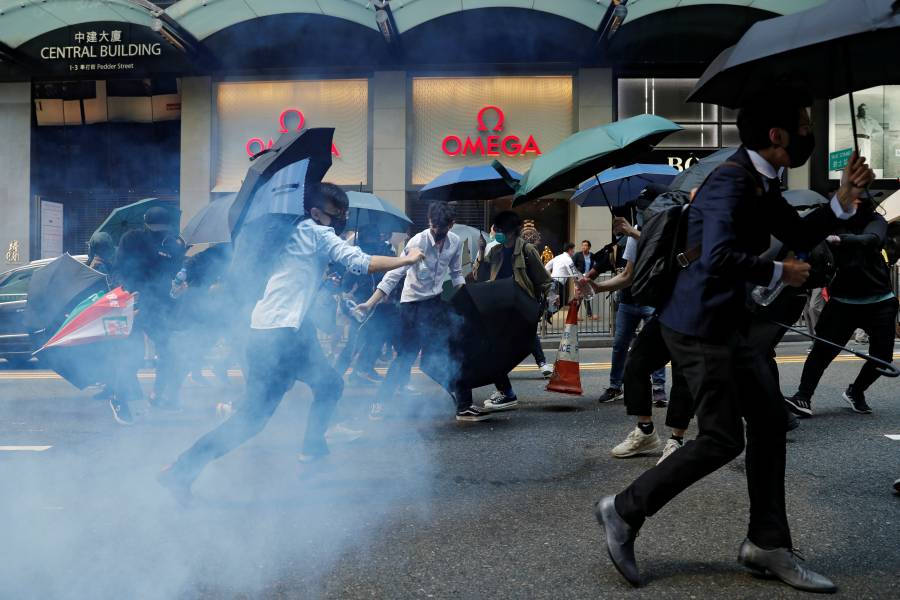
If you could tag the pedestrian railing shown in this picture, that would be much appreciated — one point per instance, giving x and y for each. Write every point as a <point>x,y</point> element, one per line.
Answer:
<point>596,316</point>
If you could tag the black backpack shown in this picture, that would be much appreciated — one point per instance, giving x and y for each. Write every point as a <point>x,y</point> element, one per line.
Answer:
<point>660,254</point>
<point>661,251</point>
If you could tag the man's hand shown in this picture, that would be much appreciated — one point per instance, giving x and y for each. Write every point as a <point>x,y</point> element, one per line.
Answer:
<point>794,272</point>
<point>621,226</point>
<point>857,176</point>
<point>412,256</point>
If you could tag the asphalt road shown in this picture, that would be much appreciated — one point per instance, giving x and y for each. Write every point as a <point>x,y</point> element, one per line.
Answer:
<point>420,507</point>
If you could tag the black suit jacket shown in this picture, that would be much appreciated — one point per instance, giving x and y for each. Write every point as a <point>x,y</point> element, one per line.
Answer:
<point>580,264</point>
<point>732,217</point>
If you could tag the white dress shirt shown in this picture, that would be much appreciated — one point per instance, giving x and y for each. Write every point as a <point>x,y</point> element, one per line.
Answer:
<point>561,267</point>
<point>765,168</point>
<point>298,274</point>
<point>425,279</point>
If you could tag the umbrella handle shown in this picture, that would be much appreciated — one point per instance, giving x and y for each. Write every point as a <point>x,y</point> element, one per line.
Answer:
<point>882,367</point>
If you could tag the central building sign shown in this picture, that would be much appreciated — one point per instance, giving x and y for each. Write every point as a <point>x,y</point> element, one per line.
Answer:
<point>252,115</point>
<point>473,120</point>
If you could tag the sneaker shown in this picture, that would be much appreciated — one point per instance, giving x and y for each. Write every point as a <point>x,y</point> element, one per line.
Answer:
<point>857,401</point>
<point>546,370</point>
<point>671,446</point>
<point>105,393</point>
<point>800,405</point>
<point>177,486</point>
<point>472,414</point>
<point>341,434</point>
<point>636,443</point>
<point>376,413</point>
<point>659,398</point>
<point>861,337</point>
<point>611,395</point>
<point>499,401</point>
<point>121,412</point>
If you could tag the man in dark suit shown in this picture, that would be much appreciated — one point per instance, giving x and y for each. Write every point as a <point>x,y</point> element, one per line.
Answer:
<point>707,327</point>
<point>584,261</point>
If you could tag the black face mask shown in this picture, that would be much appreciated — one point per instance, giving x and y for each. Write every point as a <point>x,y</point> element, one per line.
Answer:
<point>439,237</point>
<point>800,149</point>
<point>339,225</point>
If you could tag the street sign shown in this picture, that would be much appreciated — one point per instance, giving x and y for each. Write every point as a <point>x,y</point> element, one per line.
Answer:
<point>839,159</point>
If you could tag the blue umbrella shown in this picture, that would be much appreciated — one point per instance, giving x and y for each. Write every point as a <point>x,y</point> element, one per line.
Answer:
<point>616,188</point>
<point>370,210</point>
<point>468,183</point>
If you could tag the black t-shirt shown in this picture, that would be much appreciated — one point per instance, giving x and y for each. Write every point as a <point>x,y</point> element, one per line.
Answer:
<point>506,264</point>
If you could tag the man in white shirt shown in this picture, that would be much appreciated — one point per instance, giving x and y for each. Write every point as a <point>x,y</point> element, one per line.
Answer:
<point>561,269</point>
<point>282,346</point>
<point>423,314</point>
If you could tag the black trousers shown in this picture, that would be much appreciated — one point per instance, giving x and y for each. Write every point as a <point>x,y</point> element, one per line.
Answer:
<point>731,382</point>
<point>649,353</point>
<point>837,324</point>
<point>276,358</point>
<point>423,325</point>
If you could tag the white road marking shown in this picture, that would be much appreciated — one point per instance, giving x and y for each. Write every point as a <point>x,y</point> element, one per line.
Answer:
<point>893,436</point>
<point>24,448</point>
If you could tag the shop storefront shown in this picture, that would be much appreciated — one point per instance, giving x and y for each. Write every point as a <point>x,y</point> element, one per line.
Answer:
<point>465,121</point>
<point>877,119</point>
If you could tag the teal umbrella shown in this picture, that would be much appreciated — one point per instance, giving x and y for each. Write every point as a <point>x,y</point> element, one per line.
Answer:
<point>588,152</point>
<point>370,210</point>
<point>131,216</point>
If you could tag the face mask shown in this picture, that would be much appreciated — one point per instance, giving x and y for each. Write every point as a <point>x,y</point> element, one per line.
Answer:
<point>500,238</point>
<point>800,149</point>
<point>439,237</point>
<point>339,225</point>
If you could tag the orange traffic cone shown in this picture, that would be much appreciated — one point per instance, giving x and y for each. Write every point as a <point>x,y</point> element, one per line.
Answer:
<point>566,377</point>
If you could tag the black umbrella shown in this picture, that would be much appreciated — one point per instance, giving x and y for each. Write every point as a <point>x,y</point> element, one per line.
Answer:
<point>56,288</point>
<point>492,328</point>
<point>293,147</point>
<point>827,51</point>
<point>212,224</point>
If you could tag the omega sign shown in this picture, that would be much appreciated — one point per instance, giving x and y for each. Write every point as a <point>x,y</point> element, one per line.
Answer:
<point>290,119</point>
<point>493,144</point>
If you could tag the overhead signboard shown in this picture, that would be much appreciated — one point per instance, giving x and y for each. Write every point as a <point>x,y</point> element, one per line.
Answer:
<point>104,49</point>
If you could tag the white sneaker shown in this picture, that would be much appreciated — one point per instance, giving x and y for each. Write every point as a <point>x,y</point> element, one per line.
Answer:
<point>670,447</point>
<point>546,370</point>
<point>340,433</point>
<point>636,443</point>
<point>498,401</point>
<point>377,412</point>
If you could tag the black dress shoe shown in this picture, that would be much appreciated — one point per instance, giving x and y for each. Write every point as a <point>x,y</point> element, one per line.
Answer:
<point>783,564</point>
<point>619,539</point>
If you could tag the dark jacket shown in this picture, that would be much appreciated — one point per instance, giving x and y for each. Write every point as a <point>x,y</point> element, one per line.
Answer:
<point>732,218</point>
<point>528,270</point>
<point>579,262</point>
<point>862,268</point>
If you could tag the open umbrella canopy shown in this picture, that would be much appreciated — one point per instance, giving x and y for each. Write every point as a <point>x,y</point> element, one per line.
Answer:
<point>492,328</point>
<point>287,158</point>
<point>801,199</point>
<point>212,225</point>
<point>616,188</point>
<point>692,177</point>
<point>482,182</point>
<point>370,210</point>
<point>587,152</point>
<point>131,216</point>
<point>56,288</point>
<point>827,51</point>
<point>102,316</point>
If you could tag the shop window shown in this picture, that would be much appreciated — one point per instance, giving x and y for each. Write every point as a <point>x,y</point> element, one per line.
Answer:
<point>705,125</point>
<point>877,128</point>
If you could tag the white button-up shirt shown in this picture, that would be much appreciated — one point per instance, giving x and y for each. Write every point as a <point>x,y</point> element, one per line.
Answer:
<point>298,274</point>
<point>425,279</point>
<point>765,168</point>
<point>561,267</point>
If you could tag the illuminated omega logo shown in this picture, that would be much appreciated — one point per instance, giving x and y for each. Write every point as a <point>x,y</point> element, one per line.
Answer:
<point>493,144</point>
<point>290,119</point>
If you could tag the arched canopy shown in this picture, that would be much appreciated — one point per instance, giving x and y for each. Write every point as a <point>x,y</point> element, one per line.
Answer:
<point>24,20</point>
